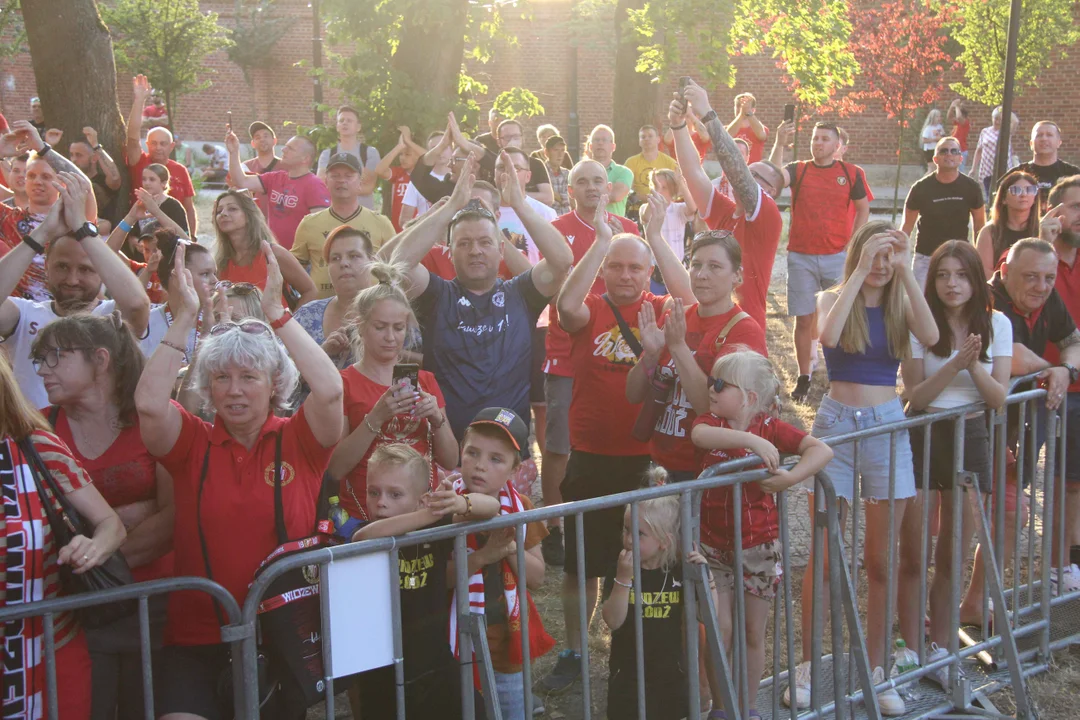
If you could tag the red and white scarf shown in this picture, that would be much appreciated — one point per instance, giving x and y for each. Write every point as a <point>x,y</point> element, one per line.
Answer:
<point>539,641</point>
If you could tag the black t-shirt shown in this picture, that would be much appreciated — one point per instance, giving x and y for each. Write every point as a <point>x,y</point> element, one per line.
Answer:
<point>433,189</point>
<point>539,174</point>
<point>662,626</point>
<point>105,197</point>
<point>1048,175</point>
<point>172,208</point>
<point>488,141</point>
<point>944,210</point>
<point>1052,324</point>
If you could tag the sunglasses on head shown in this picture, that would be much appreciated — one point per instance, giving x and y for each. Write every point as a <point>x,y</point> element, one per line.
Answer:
<point>251,327</point>
<point>240,288</point>
<point>473,208</point>
<point>718,384</point>
<point>1018,190</point>
<point>950,151</point>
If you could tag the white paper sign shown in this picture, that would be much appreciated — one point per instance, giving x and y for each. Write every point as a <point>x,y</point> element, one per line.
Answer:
<point>358,597</point>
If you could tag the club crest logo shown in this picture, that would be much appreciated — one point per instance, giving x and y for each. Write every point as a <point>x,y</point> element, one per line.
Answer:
<point>498,299</point>
<point>287,474</point>
<point>841,180</point>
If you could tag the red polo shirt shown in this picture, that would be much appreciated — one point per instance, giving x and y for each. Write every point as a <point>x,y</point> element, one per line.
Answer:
<point>237,516</point>
<point>670,445</point>
<point>760,520</point>
<point>1068,287</point>
<point>759,237</point>
<point>581,237</point>
<point>601,418</point>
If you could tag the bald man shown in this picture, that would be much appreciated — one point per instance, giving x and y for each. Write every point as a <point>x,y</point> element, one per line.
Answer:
<point>292,191</point>
<point>159,147</point>
<point>605,457</point>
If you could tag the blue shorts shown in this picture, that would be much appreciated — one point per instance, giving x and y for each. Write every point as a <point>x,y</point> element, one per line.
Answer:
<point>834,418</point>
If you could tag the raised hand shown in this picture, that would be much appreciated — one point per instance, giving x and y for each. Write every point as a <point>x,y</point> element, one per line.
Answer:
<point>785,132</point>
<point>658,207</point>
<point>462,193</point>
<point>153,260</point>
<point>53,135</point>
<point>675,325</point>
<point>603,230</point>
<point>91,136</point>
<point>74,188</point>
<point>140,87</point>
<point>652,337</point>
<point>677,111</point>
<point>698,98</point>
<point>877,244</point>
<point>271,296</point>
<point>54,225</point>
<point>147,201</point>
<point>509,187</point>
<point>1051,224</point>
<point>187,300</point>
<point>27,137</point>
<point>232,143</point>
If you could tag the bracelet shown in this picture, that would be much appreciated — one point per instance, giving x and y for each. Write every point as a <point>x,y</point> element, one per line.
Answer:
<point>95,149</point>
<point>708,117</point>
<point>625,585</point>
<point>174,346</point>
<point>34,244</point>
<point>442,421</point>
<point>678,127</point>
<point>280,322</point>
<point>373,429</point>
<point>468,506</point>
<point>46,148</point>
<point>124,225</point>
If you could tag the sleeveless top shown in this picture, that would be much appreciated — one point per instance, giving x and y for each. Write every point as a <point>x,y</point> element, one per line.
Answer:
<point>255,273</point>
<point>875,366</point>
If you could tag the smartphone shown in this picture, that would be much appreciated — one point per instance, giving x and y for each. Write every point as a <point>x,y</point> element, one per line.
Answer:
<point>228,120</point>
<point>789,113</point>
<point>684,81</point>
<point>407,370</point>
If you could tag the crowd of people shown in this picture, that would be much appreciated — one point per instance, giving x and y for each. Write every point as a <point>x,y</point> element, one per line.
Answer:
<point>194,400</point>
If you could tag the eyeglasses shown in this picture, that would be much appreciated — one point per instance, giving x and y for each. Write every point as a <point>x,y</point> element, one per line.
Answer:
<point>950,151</point>
<point>240,288</point>
<point>1018,190</point>
<point>251,327</point>
<point>51,357</point>
<point>718,384</point>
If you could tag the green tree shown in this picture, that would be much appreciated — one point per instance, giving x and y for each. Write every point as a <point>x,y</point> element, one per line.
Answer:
<point>518,103</point>
<point>981,27</point>
<point>405,63</point>
<point>254,36</point>
<point>166,40</point>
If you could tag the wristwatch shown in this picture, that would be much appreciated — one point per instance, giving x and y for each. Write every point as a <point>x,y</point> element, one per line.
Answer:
<point>709,116</point>
<point>1074,372</point>
<point>88,229</point>
<point>46,148</point>
<point>280,322</point>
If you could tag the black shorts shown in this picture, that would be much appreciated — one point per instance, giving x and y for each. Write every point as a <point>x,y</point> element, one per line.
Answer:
<point>536,370</point>
<point>592,476</point>
<point>976,453</point>
<point>189,681</point>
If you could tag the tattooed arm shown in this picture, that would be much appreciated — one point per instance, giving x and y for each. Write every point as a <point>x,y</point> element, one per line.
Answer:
<point>727,152</point>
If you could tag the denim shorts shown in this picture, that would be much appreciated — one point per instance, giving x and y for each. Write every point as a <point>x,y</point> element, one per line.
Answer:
<point>834,418</point>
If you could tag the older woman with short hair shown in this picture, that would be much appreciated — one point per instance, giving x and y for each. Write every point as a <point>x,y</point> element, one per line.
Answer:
<point>225,473</point>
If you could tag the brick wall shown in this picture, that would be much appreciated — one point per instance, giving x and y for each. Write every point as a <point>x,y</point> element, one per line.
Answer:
<point>281,91</point>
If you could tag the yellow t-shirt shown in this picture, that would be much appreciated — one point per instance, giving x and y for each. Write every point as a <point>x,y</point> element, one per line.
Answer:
<point>311,236</point>
<point>642,168</point>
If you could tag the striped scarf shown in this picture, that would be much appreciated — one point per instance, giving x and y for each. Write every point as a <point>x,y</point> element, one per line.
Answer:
<point>539,641</point>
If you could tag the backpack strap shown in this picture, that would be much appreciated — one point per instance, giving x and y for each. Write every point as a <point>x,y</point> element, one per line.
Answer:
<point>798,185</point>
<point>624,328</point>
<point>735,320</point>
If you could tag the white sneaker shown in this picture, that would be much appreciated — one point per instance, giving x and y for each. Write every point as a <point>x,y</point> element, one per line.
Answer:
<point>1070,579</point>
<point>889,701</point>
<point>802,687</point>
<point>941,675</point>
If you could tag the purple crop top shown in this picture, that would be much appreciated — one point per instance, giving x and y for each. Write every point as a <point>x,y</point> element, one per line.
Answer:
<point>876,366</point>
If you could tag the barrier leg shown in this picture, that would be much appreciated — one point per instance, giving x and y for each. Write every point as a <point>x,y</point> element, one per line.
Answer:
<point>146,655</point>
<point>465,645</point>
<point>721,668</point>
<point>488,687</point>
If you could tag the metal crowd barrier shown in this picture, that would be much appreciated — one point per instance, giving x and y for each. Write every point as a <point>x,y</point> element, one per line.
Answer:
<point>48,609</point>
<point>1028,620</point>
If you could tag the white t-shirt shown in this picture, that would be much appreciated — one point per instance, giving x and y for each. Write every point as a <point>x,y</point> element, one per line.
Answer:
<point>509,220</point>
<point>32,317</point>
<point>962,391</point>
<point>158,325</point>
<point>674,228</point>
<point>413,198</point>
<point>930,135</point>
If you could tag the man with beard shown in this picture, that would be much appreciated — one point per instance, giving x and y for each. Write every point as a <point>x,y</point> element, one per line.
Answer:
<point>1045,164</point>
<point>77,261</point>
<point>101,170</point>
<point>1061,226</point>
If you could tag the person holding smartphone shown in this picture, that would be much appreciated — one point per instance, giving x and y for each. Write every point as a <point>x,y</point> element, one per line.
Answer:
<point>747,126</point>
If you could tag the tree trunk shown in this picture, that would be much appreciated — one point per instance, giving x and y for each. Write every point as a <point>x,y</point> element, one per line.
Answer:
<point>899,165</point>
<point>430,52</point>
<point>72,55</point>
<point>636,96</point>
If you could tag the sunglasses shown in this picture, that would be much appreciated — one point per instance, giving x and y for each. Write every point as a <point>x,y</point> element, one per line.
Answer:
<point>240,288</point>
<point>51,357</point>
<point>1017,190</point>
<point>472,209</point>
<point>251,327</point>
<point>718,384</point>
<point>950,151</point>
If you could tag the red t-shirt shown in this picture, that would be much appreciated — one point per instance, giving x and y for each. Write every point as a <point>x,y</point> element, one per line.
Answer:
<point>399,183</point>
<point>14,223</point>
<point>289,200</point>
<point>180,186</point>
<point>125,473</point>
<point>821,217</point>
<point>255,273</point>
<point>760,520</point>
<point>361,394</point>
<point>1068,286</point>
<point>154,111</point>
<point>757,147</point>
<point>581,237</point>
<point>601,418</point>
<point>153,288</point>
<point>670,445</point>
<point>703,145</point>
<point>960,132</point>
<point>237,516</point>
<point>759,237</point>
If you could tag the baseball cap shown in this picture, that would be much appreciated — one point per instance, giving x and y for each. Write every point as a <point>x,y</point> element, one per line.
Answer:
<point>553,141</point>
<point>506,419</point>
<point>147,229</point>
<point>257,126</point>
<point>343,158</point>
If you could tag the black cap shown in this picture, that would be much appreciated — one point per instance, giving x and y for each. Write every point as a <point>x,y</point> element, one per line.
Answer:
<point>344,158</point>
<point>506,419</point>
<point>147,229</point>
<point>553,141</point>
<point>257,126</point>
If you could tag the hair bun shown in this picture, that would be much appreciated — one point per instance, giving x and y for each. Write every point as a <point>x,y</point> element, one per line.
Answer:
<point>387,274</point>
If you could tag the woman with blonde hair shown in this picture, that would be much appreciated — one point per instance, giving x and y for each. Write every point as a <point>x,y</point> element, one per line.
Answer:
<point>32,563</point>
<point>378,409</point>
<point>1014,216</point>
<point>865,325</point>
<point>932,131</point>
<point>241,232</point>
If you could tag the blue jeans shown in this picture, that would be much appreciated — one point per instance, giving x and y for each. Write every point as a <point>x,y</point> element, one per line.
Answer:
<point>510,688</point>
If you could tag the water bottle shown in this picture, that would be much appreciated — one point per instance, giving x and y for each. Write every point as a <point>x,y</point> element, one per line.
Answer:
<point>337,514</point>
<point>905,661</point>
